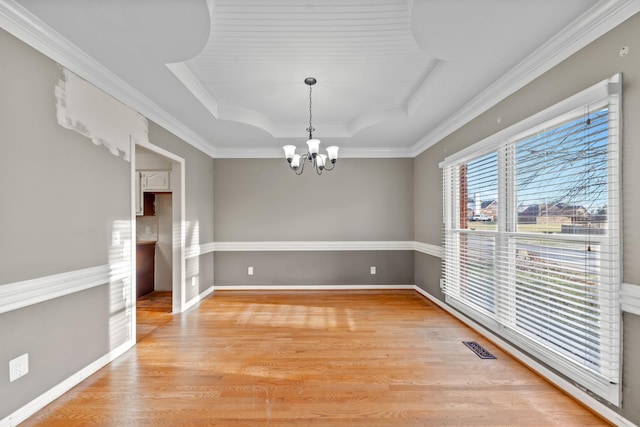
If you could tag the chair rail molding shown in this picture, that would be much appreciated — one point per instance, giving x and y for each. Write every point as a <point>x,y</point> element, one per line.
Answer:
<point>14,296</point>
<point>630,298</point>
<point>316,246</point>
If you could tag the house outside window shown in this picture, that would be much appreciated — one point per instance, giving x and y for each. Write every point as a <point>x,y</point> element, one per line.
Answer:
<point>531,233</point>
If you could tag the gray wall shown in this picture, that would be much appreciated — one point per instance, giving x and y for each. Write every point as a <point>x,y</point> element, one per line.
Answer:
<point>302,268</point>
<point>61,198</point>
<point>60,193</point>
<point>592,64</point>
<point>164,244</point>
<point>361,200</point>
<point>425,267</point>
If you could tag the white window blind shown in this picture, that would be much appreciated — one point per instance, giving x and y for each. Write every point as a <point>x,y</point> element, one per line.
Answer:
<point>531,237</point>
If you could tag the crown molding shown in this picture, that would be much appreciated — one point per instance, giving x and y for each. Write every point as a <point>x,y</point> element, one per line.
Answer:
<point>33,31</point>
<point>345,152</point>
<point>601,18</point>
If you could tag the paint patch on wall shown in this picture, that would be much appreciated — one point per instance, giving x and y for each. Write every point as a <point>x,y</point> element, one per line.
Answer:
<point>83,108</point>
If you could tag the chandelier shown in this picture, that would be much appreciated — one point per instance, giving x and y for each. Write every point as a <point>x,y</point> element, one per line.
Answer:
<point>321,162</point>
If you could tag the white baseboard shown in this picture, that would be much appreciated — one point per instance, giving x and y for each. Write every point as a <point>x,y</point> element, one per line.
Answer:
<point>55,392</point>
<point>310,287</point>
<point>49,396</point>
<point>566,386</point>
<point>197,299</point>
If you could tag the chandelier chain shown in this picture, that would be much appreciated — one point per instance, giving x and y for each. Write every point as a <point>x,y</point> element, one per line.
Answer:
<point>311,129</point>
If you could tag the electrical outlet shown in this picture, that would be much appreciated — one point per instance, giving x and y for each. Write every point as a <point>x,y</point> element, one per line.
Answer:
<point>250,270</point>
<point>18,367</point>
<point>373,269</point>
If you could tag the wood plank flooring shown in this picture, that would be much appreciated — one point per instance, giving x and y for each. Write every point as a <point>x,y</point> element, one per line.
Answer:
<point>340,358</point>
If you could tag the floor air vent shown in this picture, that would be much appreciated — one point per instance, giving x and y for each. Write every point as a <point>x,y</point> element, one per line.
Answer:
<point>479,350</point>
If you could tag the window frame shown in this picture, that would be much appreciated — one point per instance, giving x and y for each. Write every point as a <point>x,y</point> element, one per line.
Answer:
<point>605,93</point>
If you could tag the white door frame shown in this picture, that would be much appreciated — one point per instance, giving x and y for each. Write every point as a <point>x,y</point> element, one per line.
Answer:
<point>178,227</point>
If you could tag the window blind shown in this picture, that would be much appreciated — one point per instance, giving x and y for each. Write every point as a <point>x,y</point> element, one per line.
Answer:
<point>531,239</point>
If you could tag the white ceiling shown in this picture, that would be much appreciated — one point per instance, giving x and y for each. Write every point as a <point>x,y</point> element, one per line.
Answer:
<point>394,76</point>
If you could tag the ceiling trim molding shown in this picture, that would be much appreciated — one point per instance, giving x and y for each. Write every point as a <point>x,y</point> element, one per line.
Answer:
<point>256,119</point>
<point>420,94</point>
<point>183,73</point>
<point>601,18</point>
<point>33,31</point>
<point>345,152</point>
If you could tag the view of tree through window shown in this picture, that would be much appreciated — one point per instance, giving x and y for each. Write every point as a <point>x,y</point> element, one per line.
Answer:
<point>529,238</point>
<point>561,177</point>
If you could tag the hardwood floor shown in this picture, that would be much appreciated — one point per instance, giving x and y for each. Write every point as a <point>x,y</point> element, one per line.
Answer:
<point>341,358</point>
<point>152,311</point>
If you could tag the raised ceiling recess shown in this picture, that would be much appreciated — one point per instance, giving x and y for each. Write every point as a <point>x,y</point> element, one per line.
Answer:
<point>394,76</point>
<point>258,52</point>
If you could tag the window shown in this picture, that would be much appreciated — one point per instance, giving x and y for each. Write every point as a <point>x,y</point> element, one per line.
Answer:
<point>531,236</point>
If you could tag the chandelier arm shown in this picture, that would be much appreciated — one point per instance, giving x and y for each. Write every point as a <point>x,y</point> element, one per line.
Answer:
<point>303,160</point>
<point>333,165</point>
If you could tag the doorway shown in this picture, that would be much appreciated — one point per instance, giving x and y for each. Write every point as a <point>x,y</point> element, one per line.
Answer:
<point>154,261</point>
<point>158,178</point>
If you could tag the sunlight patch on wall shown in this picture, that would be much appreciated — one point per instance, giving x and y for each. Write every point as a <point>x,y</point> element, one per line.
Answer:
<point>121,294</point>
<point>91,112</point>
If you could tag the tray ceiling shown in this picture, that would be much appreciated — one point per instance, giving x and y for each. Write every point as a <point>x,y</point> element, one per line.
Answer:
<point>394,76</point>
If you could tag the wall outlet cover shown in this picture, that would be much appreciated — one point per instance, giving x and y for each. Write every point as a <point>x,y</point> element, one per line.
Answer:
<point>18,367</point>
